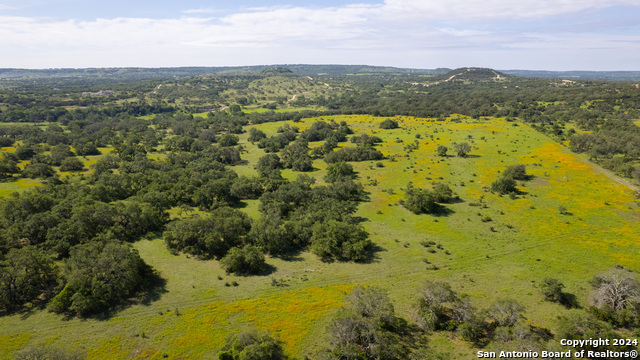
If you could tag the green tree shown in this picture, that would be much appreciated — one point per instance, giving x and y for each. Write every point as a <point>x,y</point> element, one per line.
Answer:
<point>256,135</point>
<point>442,193</point>
<point>340,240</point>
<point>517,172</point>
<point>552,289</point>
<point>339,170</point>
<point>25,275</point>
<point>252,345</point>
<point>210,236</point>
<point>434,304</point>
<point>442,150</point>
<point>389,124</point>
<point>8,167</point>
<point>71,164</point>
<point>420,201</point>
<point>60,152</point>
<point>245,261</point>
<point>504,186</point>
<point>228,140</point>
<point>99,275</point>
<point>38,170</point>
<point>462,149</point>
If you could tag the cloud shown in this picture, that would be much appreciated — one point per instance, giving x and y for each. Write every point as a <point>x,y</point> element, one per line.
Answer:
<point>201,11</point>
<point>416,33</point>
<point>454,11</point>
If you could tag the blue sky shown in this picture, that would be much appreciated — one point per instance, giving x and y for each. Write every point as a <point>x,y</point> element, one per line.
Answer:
<point>501,34</point>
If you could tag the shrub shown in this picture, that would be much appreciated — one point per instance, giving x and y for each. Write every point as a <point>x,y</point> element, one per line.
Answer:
<point>389,124</point>
<point>504,186</point>
<point>97,276</point>
<point>71,164</point>
<point>252,344</point>
<point>25,275</point>
<point>516,172</point>
<point>245,261</point>
<point>340,240</point>
<point>552,289</point>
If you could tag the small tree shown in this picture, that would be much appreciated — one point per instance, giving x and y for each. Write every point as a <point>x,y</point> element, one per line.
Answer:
<point>228,140</point>
<point>389,124</point>
<point>442,193</point>
<point>71,164</point>
<point>97,276</point>
<point>339,170</point>
<point>442,150</point>
<point>463,149</point>
<point>506,312</point>
<point>252,344</point>
<point>504,186</point>
<point>517,172</point>
<point>552,289</point>
<point>25,274</point>
<point>245,261</point>
<point>432,304</point>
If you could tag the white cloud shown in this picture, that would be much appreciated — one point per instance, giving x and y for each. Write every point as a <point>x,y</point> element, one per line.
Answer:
<point>415,33</point>
<point>490,10</point>
<point>201,11</point>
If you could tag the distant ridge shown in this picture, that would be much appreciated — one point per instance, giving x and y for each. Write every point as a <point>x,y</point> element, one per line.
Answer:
<point>578,75</point>
<point>134,73</point>
<point>137,73</point>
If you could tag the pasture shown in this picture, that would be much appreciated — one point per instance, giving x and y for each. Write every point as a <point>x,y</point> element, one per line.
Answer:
<point>487,246</point>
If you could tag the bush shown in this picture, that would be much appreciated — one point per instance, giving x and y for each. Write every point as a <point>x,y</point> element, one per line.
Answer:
<point>552,289</point>
<point>38,170</point>
<point>389,124</point>
<point>71,164</point>
<point>245,261</point>
<point>339,170</point>
<point>98,276</point>
<point>359,153</point>
<point>340,240</point>
<point>462,149</point>
<point>516,172</point>
<point>442,150</point>
<point>253,345</point>
<point>504,186</point>
<point>25,275</point>
<point>420,201</point>
<point>210,236</point>
<point>228,140</point>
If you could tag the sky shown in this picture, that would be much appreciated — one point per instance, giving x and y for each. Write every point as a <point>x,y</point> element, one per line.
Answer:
<point>426,34</point>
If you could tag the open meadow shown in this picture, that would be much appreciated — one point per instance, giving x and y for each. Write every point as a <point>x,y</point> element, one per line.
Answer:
<point>566,221</point>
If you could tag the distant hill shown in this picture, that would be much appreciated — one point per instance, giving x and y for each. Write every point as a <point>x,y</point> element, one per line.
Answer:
<point>162,73</point>
<point>471,74</point>
<point>578,75</point>
<point>135,74</point>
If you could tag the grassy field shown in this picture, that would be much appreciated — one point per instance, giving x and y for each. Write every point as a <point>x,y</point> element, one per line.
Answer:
<point>525,240</point>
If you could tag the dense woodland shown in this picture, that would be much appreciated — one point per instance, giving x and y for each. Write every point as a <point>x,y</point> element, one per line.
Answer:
<point>65,245</point>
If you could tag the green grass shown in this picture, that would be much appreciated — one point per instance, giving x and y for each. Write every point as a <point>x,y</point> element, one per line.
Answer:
<point>530,240</point>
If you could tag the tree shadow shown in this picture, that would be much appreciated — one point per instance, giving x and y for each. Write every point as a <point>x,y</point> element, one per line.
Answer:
<point>442,211</point>
<point>267,270</point>
<point>239,205</point>
<point>569,301</point>
<point>455,200</point>
<point>372,255</point>
<point>291,257</point>
<point>154,291</point>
